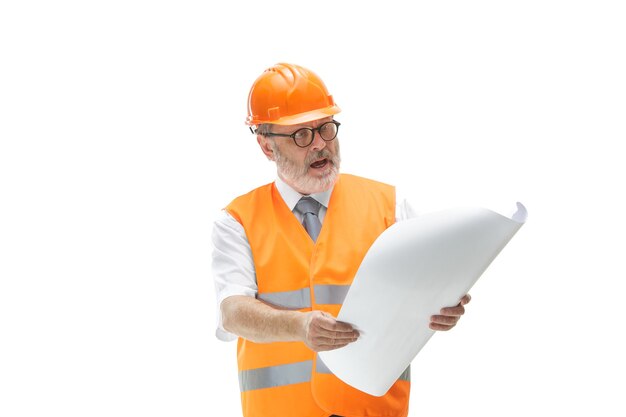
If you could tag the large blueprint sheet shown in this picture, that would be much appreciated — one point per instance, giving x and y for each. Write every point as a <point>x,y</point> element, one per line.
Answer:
<point>412,270</point>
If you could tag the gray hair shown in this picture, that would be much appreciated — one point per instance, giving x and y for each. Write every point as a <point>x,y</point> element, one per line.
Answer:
<point>263,129</point>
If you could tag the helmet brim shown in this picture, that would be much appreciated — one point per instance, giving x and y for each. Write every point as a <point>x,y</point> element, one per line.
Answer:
<point>300,117</point>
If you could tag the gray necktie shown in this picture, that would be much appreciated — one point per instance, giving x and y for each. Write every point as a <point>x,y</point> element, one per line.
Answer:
<point>309,208</point>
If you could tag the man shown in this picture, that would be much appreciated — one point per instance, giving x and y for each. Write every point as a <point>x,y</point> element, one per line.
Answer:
<point>285,255</point>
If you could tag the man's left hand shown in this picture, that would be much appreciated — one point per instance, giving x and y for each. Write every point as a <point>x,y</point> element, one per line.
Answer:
<point>449,316</point>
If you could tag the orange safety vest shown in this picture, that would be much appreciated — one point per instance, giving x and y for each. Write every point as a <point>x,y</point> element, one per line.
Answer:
<point>287,379</point>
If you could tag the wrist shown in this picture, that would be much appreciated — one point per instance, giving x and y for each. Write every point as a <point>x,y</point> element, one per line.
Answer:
<point>303,320</point>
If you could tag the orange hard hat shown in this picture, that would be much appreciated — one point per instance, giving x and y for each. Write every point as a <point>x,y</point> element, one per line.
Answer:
<point>288,94</point>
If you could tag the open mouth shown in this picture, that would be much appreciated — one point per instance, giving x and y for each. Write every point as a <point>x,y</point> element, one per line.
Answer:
<point>319,164</point>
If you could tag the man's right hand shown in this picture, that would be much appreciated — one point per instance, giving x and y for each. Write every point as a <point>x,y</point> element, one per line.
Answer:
<point>321,331</point>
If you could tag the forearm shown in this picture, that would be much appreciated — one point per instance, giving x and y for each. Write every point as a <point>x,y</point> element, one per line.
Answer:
<point>258,322</point>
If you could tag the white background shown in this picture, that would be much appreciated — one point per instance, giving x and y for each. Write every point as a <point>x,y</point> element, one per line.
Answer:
<point>122,136</point>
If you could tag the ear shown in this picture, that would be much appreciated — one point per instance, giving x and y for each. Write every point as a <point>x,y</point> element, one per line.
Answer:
<point>266,146</point>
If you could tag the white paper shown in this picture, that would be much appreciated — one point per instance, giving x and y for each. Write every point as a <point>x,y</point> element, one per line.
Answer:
<point>412,270</point>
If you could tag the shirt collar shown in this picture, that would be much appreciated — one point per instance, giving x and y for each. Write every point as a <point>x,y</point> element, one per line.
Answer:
<point>291,196</point>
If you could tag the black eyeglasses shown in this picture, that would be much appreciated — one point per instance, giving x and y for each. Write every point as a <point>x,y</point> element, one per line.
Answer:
<point>304,137</point>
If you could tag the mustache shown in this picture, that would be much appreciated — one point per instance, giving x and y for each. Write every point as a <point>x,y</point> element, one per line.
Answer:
<point>316,156</point>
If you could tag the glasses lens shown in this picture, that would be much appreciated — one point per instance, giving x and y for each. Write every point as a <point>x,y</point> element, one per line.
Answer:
<point>328,131</point>
<point>303,137</point>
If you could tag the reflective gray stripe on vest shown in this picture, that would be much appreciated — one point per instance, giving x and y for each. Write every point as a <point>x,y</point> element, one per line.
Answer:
<point>330,294</point>
<point>275,376</point>
<point>321,368</point>
<point>324,294</point>
<point>288,299</point>
<point>406,375</point>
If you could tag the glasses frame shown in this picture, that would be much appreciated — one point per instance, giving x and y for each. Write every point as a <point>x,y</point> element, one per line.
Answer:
<point>313,130</point>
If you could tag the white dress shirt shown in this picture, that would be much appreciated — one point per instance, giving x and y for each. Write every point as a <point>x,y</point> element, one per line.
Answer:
<point>233,267</point>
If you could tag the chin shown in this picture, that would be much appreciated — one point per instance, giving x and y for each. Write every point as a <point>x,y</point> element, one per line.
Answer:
<point>312,185</point>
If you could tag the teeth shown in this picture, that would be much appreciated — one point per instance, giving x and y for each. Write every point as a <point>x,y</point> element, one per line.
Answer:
<point>318,163</point>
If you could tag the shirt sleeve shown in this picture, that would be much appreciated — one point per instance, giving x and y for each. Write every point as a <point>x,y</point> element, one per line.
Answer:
<point>404,210</point>
<point>232,266</point>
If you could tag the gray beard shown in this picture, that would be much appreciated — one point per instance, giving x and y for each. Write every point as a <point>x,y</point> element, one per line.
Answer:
<point>297,175</point>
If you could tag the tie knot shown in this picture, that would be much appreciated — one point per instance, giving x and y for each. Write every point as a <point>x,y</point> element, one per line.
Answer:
<point>308,205</point>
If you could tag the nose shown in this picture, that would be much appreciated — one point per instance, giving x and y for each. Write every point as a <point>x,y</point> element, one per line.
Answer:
<point>318,143</point>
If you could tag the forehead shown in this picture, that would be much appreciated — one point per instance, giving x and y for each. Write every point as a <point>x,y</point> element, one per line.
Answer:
<point>293,128</point>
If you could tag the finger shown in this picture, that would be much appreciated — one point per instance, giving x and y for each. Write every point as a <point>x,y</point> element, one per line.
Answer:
<point>466,299</point>
<point>331,324</point>
<point>439,327</point>
<point>444,320</point>
<point>329,341</point>
<point>331,334</point>
<point>453,311</point>
<point>323,343</point>
<point>349,337</point>
<point>330,328</point>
